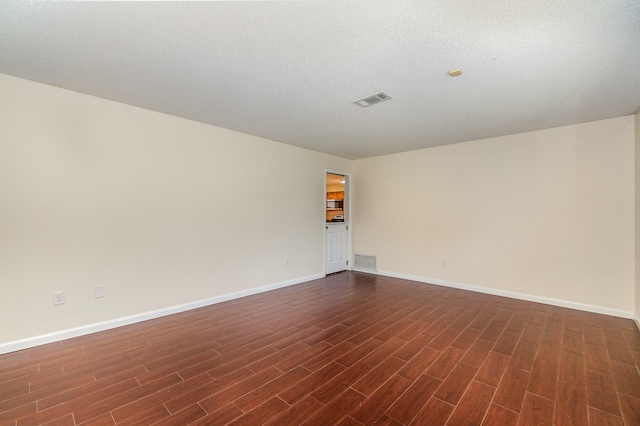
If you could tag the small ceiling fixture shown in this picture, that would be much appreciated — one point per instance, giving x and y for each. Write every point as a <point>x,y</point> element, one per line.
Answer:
<point>455,72</point>
<point>373,99</point>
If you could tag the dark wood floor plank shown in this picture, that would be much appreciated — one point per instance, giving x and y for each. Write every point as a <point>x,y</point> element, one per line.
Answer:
<point>630,410</point>
<point>184,417</point>
<point>297,413</point>
<point>92,410</point>
<point>572,369</point>
<point>593,335</point>
<point>96,389</point>
<point>571,405</point>
<point>147,417</point>
<point>360,352</point>
<point>414,346</point>
<point>436,412</point>
<point>21,412</point>
<point>103,420</point>
<point>477,353</point>
<point>11,375</point>
<point>375,378</point>
<point>417,327</point>
<point>270,360</point>
<point>523,356</point>
<point>512,389</point>
<point>481,321</point>
<point>196,394</point>
<point>412,401</point>
<point>262,413</point>
<point>380,354</point>
<point>474,405</point>
<point>466,339</point>
<point>632,338</point>
<point>419,363</point>
<point>544,376</point>
<point>221,416</point>
<point>349,421</point>
<point>536,410</point>
<point>272,338</point>
<point>159,398</point>
<point>269,390</point>
<point>397,330</point>
<point>337,385</point>
<point>572,342</point>
<point>350,349</point>
<point>295,359</point>
<point>328,356</point>
<point>234,392</point>
<point>600,418</point>
<point>553,329</point>
<point>516,325</point>
<point>60,383</point>
<point>445,363</point>
<point>374,407</point>
<point>601,393</point>
<point>507,343</point>
<point>619,350</point>
<point>493,331</point>
<point>455,385</point>
<point>497,415</point>
<point>626,378</point>
<point>312,383</point>
<point>337,409</point>
<point>190,370</point>
<point>493,368</point>
<point>444,339</point>
<point>44,416</point>
<point>596,358</point>
<point>532,333</point>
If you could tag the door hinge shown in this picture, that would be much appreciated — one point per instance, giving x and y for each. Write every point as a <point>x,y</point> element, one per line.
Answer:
<point>347,263</point>
<point>347,227</point>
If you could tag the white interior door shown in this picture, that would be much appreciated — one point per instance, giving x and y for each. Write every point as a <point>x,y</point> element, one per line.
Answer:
<point>336,248</point>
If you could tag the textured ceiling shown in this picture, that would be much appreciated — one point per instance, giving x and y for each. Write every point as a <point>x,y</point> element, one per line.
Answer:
<point>289,71</point>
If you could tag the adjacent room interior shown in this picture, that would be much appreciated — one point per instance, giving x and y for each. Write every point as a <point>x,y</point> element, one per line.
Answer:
<point>180,182</point>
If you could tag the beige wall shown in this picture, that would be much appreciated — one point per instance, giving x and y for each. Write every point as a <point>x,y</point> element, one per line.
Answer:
<point>160,210</point>
<point>164,211</point>
<point>637,230</point>
<point>548,213</point>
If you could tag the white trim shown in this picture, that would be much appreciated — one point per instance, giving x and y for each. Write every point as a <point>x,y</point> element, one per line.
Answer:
<point>637,320</point>
<point>119,322</point>
<point>514,295</point>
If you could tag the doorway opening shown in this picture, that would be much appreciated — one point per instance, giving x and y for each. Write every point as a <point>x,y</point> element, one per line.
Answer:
<point>336,222</point>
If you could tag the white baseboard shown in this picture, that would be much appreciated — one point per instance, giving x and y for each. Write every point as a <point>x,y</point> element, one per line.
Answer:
<point>119,322</point>
<point>637,320</point>
<point>514,295</point>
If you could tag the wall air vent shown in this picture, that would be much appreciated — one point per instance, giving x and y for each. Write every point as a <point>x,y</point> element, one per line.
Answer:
<point>365,263</point>
<point>373,99</point>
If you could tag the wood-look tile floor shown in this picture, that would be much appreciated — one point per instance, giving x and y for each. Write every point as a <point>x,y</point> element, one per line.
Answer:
<point>349,349</point>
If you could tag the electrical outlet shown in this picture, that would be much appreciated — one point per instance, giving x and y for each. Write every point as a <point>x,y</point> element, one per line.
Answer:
<point>445,263</point>
<point>99,291</point>
<point>58,298</point>
<point>286,262</point>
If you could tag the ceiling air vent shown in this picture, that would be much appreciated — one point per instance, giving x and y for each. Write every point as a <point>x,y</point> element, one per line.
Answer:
<point>373,99</point>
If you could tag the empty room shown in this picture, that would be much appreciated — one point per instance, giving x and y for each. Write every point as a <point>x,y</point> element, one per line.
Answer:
<point>321,213</point>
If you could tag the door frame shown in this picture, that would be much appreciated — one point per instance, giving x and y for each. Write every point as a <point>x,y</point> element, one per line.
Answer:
<point>348,213</point>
